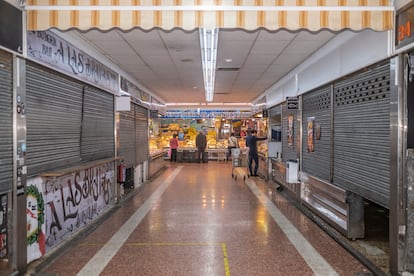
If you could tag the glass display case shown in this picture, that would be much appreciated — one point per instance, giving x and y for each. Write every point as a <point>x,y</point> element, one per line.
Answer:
<point>217,132</point>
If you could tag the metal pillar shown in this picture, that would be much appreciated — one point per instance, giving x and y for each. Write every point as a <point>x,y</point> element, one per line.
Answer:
<point>19,238</point>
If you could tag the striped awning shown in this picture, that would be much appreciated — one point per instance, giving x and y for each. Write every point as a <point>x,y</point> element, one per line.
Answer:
<point>312,15</point>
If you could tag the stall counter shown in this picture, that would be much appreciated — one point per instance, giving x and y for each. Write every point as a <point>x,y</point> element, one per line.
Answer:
<point>156,162</point>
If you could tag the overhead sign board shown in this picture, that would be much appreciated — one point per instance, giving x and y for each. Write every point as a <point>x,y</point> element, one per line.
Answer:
<point>292,103</point>
<point>48,48</point>
<point>404,27</point>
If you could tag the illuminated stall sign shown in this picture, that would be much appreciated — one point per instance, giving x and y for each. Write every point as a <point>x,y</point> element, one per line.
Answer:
<point>49,49</point>
<point>207,114</point>
<point>404,24</point>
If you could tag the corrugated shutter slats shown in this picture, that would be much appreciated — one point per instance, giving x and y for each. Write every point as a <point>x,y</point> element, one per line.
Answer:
<point>68,122</point>
<point>362,134</point>
<point>127,145</point>
<point>97,125</point>
<point>141,133</point>
<point>53,119</point>
<point>317,104</point>
<point>6,122</point>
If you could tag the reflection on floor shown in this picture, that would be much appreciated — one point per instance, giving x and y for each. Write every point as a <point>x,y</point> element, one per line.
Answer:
<point>197,219</point>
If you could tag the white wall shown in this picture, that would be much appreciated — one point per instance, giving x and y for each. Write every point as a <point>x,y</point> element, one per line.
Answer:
<point>346,53</point>
<point>398,4</point>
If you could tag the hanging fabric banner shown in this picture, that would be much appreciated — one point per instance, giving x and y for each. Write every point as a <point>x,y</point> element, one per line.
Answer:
<point>190,14</point>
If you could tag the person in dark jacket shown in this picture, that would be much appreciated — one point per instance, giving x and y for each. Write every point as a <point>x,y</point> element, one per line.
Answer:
<point>201,144</point>
<point>251,143</point>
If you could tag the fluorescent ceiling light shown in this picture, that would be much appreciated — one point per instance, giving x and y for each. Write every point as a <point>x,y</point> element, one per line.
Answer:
<point>208,45</point>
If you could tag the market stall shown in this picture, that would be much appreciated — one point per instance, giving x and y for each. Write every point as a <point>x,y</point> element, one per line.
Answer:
<point>216,128</point>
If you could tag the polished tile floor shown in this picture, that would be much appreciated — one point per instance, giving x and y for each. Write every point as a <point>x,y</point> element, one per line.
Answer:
<point>196,219</point>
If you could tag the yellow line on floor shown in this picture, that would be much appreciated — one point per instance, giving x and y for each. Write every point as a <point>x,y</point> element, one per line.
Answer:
<point>226,260</point>
<point>99,261</point>
<point>173,243</point>
<point>222,244</point>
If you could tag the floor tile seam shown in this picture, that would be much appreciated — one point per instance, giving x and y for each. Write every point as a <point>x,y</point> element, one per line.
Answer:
<point>296,222</point>
<point>318,243</point>
<point>97,263</point>
<point>220,245</point>
<point>98,223</point>
<point>309,254</point>
<point>128,201</point>
<point>158,244</point>
<point>338,238</point>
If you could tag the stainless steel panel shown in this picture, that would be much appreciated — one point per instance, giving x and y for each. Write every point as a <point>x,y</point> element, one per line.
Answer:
<point>6,122</point>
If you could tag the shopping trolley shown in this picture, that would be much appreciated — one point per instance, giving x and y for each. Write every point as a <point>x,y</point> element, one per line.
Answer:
<point>239,162</point>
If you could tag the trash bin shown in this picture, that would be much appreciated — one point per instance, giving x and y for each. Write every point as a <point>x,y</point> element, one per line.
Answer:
<point>292,171</point>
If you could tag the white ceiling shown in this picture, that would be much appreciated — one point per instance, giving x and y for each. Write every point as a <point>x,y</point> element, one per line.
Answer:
<point>168,64</point>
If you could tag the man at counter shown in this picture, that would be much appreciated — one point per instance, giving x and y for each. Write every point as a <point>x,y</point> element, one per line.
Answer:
<point>201,144</point>
<point>251,143</point>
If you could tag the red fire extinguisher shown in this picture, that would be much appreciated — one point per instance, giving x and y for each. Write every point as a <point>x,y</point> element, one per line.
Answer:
<point>121,172</point>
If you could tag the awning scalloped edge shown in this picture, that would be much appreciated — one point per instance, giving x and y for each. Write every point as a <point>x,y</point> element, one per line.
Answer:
<point>312,18</point>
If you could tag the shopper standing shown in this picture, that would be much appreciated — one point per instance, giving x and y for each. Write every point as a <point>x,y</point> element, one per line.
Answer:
<point>173,148</point>
<point>251,143</point>
<point>232,143</point>
<point>201,144</point>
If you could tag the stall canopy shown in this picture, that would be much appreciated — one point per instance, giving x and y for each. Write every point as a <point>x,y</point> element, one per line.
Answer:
<point>312,15</point>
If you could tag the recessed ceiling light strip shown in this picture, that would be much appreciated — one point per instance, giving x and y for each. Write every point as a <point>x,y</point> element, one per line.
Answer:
<point>208,45</point>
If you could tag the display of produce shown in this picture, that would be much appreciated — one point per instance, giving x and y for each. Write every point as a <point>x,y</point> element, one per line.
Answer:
<point>262,148</point>
<point>217,132</point>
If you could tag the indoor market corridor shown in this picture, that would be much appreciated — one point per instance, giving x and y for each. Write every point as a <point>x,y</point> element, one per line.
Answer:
<point>196,219</point>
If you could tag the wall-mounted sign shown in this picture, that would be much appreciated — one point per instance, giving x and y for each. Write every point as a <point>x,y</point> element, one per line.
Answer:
<point>154,114</point>
<point>311,134</point>
<point>403,27</point>
<point>290,131</point>
<point>134,91</point>
<point>11,33</point>
<point>47,48</point>
<point>292,103</point>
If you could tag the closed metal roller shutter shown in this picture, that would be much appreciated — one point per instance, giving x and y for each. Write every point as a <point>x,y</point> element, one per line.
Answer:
<point>289,152</point>
<point>6,122</point>
<point>98,140</point>
<point>317,104</point>
<point>53,118</point>
<point>126,148</point>
<point>141,117</point>
<point>362,134</point>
